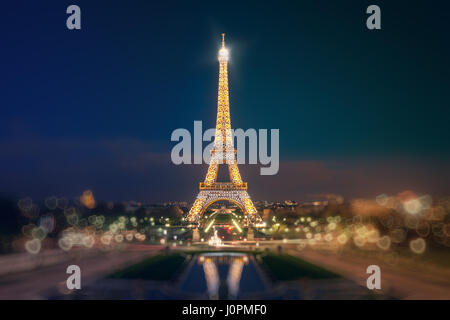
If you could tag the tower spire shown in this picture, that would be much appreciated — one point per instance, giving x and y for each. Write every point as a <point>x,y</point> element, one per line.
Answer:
<point>223,40</point>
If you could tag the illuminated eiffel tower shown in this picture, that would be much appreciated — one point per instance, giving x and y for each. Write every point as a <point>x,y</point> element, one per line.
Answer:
<point>223,152</point>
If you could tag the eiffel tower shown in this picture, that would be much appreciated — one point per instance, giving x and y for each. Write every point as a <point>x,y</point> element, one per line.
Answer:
<point>223,152</point>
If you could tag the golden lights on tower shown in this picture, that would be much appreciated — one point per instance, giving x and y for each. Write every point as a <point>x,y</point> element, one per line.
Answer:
<point>223,52</point>
<point>223,153</point>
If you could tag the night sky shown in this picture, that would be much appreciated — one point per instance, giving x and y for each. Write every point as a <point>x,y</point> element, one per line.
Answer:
<point>360,112</point>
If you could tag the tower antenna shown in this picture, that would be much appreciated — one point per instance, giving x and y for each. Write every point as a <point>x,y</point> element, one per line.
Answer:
<point>223,40</point>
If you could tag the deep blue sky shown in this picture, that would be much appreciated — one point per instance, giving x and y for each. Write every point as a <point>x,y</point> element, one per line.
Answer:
<point>360,112</point>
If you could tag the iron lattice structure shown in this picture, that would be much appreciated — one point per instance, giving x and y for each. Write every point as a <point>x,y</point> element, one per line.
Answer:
<point>223,152</point>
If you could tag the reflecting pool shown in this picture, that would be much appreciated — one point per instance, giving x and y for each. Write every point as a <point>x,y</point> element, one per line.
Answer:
<point>223,275</point>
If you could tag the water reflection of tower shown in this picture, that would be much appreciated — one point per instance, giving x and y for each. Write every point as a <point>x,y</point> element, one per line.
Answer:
<point>223,288</point>
<point>234,277</point>
<point>212,278</point>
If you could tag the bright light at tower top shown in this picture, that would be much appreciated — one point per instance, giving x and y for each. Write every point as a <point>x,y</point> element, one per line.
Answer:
<point>223,52</point>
